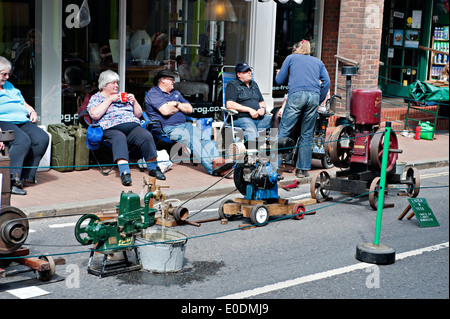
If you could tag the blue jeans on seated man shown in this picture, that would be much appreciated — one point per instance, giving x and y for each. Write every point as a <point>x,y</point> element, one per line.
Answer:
<point>251,126</point>
<point>304,105</point>
<point>191,137</point>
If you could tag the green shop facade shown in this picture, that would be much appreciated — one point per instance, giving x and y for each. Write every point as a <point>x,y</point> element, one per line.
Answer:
<point>410,28</point>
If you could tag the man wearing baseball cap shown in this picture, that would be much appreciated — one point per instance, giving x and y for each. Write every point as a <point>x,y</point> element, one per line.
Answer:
<point>243,95</point>
<point>167,106</point>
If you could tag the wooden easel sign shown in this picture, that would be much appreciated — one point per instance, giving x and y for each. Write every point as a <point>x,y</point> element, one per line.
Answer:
<point>422,211</point>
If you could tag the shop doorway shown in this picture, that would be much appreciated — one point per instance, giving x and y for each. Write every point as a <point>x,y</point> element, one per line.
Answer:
<point>406,27</point>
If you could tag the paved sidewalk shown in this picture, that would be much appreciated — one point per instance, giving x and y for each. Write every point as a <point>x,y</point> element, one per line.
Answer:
<point>89,191</point>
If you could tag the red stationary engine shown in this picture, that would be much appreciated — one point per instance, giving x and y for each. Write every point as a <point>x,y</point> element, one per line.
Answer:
<point>357,141</point>
<point>356,145</point>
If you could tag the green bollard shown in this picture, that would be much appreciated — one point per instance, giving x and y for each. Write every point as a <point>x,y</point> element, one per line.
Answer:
<point>376,253</point>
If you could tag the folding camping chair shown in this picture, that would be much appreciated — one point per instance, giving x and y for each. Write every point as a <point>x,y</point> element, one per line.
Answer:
<point>228,120</point>
<point>238,134</point>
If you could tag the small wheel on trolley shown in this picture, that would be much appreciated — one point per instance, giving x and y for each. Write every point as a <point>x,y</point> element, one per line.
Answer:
<point>47,275</point>
<point>298,211</point>
<point>222,215</point>
<point>259,215</point>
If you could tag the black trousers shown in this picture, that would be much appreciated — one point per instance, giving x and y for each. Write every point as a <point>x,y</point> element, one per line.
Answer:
<point>122,135</point>
<point>27,149</point>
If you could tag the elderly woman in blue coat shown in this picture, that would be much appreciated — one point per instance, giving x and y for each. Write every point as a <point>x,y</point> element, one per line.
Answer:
<point>30,143</point>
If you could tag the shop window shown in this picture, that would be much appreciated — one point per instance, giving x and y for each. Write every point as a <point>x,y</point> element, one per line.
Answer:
<point>295,22</point>
<point>181,35</point>
<point>19,41</point>
<point>89,46</point>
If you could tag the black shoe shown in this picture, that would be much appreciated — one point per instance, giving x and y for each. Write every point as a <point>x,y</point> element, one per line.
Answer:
<point>18,191</point>
<point>16,182</point>
<point>126,179</point>
<point>221,165</point>
<point>157,173</point>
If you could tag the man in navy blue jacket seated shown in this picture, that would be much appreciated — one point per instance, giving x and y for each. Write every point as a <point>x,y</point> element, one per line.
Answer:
<point>168,107</point>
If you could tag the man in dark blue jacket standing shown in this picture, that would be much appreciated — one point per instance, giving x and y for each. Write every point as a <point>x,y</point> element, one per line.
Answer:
<point>308,82</point>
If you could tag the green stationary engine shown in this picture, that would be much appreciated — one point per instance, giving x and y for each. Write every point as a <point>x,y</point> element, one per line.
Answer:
<point>116,233</point>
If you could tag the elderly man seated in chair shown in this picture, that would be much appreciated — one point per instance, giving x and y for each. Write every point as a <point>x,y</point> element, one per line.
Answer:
<point>168,108</point>
<point>243,95</point>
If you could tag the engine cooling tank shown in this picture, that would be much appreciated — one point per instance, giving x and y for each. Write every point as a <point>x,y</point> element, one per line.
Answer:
<point>365,107</point>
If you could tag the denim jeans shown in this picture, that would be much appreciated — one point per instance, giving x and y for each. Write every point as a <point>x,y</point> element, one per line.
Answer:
<point>252,126</point>
<point>191,137</point>
<point>302,104</point>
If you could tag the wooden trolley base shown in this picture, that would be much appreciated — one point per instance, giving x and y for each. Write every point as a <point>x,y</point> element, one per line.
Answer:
<point>45,266</point>
<point>259,211</point>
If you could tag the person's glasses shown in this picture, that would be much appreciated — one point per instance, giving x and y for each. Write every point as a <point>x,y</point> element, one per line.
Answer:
<point>170,79</point>
<point>3,74</point>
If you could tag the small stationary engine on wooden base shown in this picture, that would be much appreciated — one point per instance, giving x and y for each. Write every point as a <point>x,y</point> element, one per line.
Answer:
<point>356,146</point>
<point>257,179</point>
<point>115,235</point>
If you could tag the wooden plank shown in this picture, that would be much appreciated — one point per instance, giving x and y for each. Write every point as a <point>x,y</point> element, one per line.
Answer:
<point>306,201</point>
<point>231,208</point>
<point>279,209</point>
<point>249,201</point>
<point>34,263</point>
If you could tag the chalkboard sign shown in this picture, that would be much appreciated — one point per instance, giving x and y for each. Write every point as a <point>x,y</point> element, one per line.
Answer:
<point>423,212</point>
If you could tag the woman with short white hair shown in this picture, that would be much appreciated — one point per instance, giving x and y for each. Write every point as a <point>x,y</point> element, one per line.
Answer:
<point>30,142</point>
<point>121,126</point>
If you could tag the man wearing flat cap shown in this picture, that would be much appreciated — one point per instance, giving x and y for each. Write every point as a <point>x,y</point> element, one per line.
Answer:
<point>243,95</point>
<point>167,106</point>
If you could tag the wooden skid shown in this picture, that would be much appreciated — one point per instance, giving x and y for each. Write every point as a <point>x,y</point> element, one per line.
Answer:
<point>277,207</point>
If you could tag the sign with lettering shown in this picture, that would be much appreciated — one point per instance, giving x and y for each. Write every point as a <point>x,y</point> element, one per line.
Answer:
<point>423,212</point>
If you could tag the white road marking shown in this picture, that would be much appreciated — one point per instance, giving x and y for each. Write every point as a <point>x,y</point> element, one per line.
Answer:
<point>28,292</point>
<point>326,274</point>
<point>62,225</point>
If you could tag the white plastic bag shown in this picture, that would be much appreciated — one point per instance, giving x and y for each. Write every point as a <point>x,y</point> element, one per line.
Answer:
<point>163,159</point>
<point>164,162</point>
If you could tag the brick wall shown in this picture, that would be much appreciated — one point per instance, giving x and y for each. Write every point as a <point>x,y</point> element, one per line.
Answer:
<point>330,37</point>
<point>360,28</point>
<point>397,117</point>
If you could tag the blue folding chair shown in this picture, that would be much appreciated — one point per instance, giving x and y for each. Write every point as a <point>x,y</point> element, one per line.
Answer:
<point>228,121</point>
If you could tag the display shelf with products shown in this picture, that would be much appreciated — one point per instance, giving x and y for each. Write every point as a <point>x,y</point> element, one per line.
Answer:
<point>439,52</point>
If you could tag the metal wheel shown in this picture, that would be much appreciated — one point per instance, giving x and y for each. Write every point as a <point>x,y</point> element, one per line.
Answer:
<point>376,150</point>
<point>81,229</point>
<point>238,177</point>
<point>413,182</point>
<point>222,215</point>
<point>299,211</point>
<point>374,193</point>
<point>318,182</point>
<point>14,229</point>
<point>259,215</point>
<point>47,275</point>
<point>340,146</point>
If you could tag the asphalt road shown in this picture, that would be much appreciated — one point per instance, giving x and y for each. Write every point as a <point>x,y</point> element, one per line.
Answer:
<point>287,259</point>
